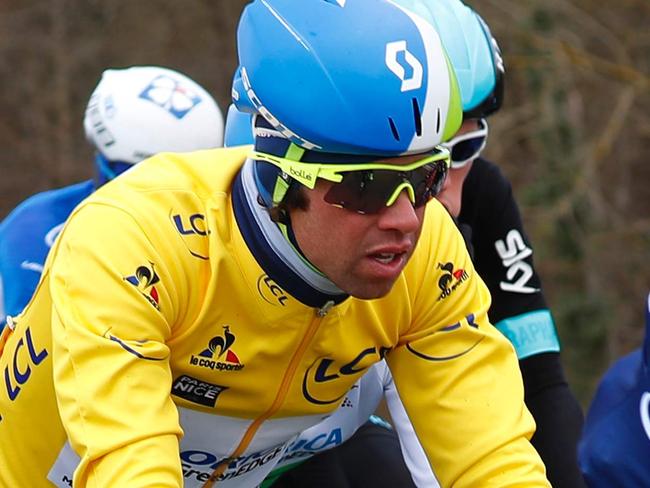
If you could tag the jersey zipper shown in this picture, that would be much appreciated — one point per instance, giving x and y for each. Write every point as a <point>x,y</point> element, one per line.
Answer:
<point>279,398</point>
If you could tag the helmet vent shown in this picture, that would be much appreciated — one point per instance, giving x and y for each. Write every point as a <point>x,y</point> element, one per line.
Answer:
<point>417,116</point>
<point>393,129</point>
<point>438,122</point>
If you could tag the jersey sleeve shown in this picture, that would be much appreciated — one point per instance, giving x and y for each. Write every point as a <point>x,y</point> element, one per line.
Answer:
<point>112,317</point>
<point>458,377</point>
<point>503,256</point>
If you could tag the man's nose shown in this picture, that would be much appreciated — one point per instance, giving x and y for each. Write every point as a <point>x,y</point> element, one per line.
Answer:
<point>401,215</point>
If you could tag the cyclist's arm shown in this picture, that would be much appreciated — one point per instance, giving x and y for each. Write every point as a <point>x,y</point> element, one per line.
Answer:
<point>458,377</point>
<point>504,258</point>
<point>112,311</point>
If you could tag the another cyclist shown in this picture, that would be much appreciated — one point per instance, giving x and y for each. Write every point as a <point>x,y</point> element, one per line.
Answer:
<point>132,114</point>
<point>615,446</point>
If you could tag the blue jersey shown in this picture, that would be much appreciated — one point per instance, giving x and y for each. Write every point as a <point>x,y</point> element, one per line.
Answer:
<point>615,447</point>
<point>26,236</point>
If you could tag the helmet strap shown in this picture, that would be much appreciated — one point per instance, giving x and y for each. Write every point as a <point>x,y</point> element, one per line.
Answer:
<point>283,181</point>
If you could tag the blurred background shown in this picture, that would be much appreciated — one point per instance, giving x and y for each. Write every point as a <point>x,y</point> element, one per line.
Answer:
<point>572,136</point>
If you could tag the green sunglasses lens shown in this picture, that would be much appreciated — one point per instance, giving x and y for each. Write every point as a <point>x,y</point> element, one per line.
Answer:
<point>368,191</point>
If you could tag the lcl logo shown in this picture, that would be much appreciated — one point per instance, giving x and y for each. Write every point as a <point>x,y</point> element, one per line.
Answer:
<point>193,224</point>
<point>320,385</point>
<point>270,291</point>
<point>393,51</point>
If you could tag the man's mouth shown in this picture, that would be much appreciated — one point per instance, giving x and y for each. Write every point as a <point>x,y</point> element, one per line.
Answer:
<point>385,257</point>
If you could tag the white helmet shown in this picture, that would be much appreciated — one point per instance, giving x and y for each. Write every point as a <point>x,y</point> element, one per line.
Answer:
<point>140,111</point>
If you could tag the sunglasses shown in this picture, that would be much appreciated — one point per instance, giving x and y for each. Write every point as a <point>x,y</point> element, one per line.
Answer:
<point>367,188</point>
<point>468,146</point>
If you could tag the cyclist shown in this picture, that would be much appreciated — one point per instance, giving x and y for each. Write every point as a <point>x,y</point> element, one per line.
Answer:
<point>258,286</point>
<point>478,194</point>
<point>615,445</point>
<point>132,114</point>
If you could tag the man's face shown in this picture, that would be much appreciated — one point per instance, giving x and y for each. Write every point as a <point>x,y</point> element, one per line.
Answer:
<point>451,195</point>
<point>363,254</point>
<point>452,191</point>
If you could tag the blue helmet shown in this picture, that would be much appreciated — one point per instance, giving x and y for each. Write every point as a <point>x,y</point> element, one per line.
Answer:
<point>239,128</point>
<point>324,75</point>
<point>473,52</point>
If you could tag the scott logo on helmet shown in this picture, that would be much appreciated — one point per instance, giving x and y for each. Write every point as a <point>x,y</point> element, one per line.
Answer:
<point>393,52</point>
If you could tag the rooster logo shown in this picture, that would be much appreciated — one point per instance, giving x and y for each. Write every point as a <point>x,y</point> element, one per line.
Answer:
<point>144,279</point>
<point>220,345</point>
<point>450,279</point>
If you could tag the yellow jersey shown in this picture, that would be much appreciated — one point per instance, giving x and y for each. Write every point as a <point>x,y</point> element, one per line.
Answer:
<point>157,352</point>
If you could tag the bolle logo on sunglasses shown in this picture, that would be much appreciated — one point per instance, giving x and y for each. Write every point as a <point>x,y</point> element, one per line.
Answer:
<point>395,51</point>
<point>300,174</point>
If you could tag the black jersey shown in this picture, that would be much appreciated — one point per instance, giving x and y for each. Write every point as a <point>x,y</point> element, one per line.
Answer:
<point>503,257</point>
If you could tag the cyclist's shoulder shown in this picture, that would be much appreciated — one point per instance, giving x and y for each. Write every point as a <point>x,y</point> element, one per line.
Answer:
<point>41,214</point>
<point>486,176</point>
<point>49,201</point>
<point>487,196</point>
<point>183,180</point>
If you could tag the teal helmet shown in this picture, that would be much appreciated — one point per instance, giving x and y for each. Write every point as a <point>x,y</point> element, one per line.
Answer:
<point>472,50</point>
